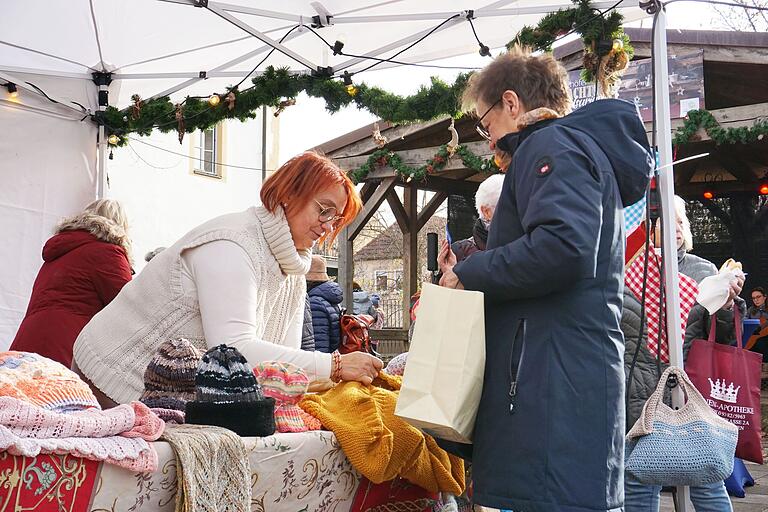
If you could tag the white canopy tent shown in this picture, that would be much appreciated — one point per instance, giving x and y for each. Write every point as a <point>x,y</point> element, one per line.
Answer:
<point>52,153</point>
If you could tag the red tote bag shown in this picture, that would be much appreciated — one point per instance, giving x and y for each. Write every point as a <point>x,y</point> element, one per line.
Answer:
<point>729,379</point>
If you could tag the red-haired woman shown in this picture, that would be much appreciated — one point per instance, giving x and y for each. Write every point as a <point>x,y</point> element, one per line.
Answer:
<point>237,279</point>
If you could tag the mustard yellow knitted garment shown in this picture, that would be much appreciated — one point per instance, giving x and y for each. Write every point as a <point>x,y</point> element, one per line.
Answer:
<point>377,443</point>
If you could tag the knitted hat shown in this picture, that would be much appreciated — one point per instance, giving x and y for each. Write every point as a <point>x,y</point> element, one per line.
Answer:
<point>169,380</point>
<point>286,383</point>
<point>43,382</point>
<point>228,395</point>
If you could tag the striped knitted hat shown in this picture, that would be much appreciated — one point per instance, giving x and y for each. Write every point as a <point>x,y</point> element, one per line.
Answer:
<point>224,376</point>
<point>169,380</point>
<point>228,395</point>
<point>286,383</point>
<point>41,381</point>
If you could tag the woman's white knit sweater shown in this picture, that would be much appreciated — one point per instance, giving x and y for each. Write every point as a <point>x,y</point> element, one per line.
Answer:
<point>236,279</point>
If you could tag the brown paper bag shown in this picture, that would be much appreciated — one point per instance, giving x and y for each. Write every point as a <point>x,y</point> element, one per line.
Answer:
<point>443,379</point>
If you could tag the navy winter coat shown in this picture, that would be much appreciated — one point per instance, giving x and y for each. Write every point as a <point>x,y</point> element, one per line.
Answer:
<point>324,300</point>
<point>550,428</point>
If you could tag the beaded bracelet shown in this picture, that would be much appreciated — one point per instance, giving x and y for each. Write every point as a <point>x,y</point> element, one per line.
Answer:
<point>336,366</point>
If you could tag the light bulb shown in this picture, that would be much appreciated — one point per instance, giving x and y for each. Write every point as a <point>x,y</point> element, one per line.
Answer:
<point>618,44</point>
<point>214,100</point>
<point>113,139</point>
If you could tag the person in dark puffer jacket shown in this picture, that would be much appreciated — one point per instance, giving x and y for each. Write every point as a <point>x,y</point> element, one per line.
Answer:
<point>307,330</point>
<point>324,299</point>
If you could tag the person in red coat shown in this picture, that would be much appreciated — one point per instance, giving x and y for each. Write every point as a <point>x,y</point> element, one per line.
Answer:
<point>86,263</point>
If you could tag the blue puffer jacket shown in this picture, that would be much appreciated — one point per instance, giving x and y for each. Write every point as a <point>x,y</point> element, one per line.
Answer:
<point>324,300</point>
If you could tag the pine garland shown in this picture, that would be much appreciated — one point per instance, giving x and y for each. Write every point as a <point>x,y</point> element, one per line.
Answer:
<point>597,33</point>
<point>384,158</point>
<point>276,86</point>
<point>696,119</point>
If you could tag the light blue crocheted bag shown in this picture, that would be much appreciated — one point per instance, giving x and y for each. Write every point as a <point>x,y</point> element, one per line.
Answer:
<point>689,446</point>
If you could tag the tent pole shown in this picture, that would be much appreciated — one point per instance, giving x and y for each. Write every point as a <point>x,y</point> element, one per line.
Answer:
<point>101,176</point>
<point>102,79</point>
<point>667,192</point>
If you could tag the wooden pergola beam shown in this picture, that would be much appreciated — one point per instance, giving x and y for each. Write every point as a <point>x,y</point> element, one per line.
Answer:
<point>430,208</point>
<point>417,157</point>
<point>732,117</point>
<point>346,266</point>
<point>732,162</point>
<point>370,207</point>
<point>367,145</point>
<point>398,210</point>
<point>367,190</point>
<point>410,252</point>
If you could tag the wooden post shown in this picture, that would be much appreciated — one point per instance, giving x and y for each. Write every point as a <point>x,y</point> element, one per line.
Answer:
<point>346,267</point>
<point>410,252</point>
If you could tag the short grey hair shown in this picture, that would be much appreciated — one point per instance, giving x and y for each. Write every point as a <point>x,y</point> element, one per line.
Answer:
<point>680,213</point>
<point>489,191</point>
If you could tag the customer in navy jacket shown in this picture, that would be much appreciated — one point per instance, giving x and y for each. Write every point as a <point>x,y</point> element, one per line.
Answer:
<point>549,434</point>
<point>324,299</point>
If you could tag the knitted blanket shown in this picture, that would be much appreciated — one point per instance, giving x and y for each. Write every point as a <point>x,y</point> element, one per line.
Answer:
<point>380,445</point>
<point>118,436</point>
<point>212,469</point>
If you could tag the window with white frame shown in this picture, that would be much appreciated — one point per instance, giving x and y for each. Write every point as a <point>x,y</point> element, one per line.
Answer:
<point>207,162</point>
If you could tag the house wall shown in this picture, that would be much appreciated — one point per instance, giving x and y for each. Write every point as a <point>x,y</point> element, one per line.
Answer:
<point>163,195</point>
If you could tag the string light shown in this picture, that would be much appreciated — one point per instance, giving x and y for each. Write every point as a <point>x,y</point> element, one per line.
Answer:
<point>351,89</point>
<point>13,91</point>
<point>764,189</point>
<point>618,44</point>
<point>708,194</point>
<point>214,100</point>
<point>113,140</point>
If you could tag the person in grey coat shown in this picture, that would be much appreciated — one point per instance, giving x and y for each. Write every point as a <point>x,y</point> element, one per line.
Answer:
<point>643,370</point>
<point>549,433</point>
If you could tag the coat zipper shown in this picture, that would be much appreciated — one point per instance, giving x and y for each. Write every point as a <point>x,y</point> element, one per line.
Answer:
<point>514,370</point>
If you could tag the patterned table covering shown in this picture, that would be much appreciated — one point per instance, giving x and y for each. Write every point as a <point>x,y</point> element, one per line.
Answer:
<point>297,472</point>
<point>61,483</point>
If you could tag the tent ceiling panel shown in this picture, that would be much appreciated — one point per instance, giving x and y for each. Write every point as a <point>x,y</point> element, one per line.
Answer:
<point>156,37</point>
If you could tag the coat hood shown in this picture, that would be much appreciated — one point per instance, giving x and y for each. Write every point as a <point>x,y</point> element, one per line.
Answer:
<point>62,243</point>
<point>618,130</point>
<point>329,291</point>
<point>83,228</point>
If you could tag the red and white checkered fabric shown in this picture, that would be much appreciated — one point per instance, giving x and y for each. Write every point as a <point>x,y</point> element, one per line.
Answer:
<point>633,279</point>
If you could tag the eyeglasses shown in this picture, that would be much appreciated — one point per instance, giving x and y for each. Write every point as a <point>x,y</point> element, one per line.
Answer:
<point>755,297</point>
<point>327,213</point>
<point>482,130</point>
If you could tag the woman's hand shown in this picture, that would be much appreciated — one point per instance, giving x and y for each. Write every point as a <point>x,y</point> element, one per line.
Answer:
<point>446,259</point>
<point>734,291</point>
<point>451,280</point>
<point>360,367</point>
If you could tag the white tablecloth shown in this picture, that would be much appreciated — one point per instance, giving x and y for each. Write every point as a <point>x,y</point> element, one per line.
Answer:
<point>299,472</point>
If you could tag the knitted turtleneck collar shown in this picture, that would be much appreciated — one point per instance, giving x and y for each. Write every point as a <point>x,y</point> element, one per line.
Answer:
<point>278,236</point>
